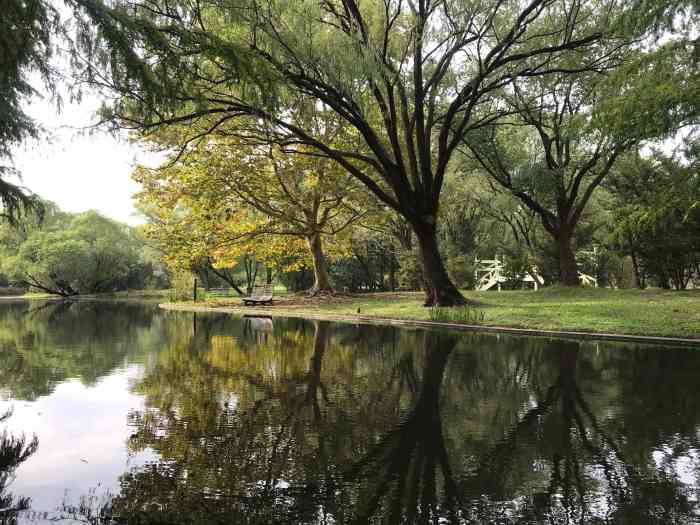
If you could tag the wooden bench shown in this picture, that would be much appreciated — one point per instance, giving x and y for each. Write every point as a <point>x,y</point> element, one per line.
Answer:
<point>262,294</point>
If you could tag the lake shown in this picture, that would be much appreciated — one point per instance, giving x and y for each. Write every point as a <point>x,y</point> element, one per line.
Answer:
<point>132,414</point>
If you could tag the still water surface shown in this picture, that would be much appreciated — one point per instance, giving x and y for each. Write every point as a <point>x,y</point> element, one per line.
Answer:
<point>147,416</point>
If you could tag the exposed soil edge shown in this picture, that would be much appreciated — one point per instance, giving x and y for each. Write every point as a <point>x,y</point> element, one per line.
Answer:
<point>366,319</point>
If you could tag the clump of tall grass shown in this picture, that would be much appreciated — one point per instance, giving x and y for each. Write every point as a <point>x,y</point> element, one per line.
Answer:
<point>457,314</point>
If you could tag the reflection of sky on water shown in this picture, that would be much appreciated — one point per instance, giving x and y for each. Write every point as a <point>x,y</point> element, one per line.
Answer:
<point>82,435</point>
<point>342,420</point>
<point>682,467</point>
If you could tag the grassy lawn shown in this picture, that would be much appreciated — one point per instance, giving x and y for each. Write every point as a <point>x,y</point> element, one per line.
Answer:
<point>639,312</point>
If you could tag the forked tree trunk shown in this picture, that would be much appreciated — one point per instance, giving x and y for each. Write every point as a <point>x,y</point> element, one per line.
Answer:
<point>322,282</point>
<point>439,288</point>
<point>568,271</point>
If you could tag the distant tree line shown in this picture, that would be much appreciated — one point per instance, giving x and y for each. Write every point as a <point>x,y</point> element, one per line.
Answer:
<point>72,254</point>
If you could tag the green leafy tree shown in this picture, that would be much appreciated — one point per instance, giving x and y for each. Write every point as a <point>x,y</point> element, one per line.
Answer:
<point>569,130</point>
<point>91,254</point>
<point>656,205</point>
<point>408,79</point>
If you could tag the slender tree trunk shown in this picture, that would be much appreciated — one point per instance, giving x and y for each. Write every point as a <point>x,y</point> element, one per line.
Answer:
<point>439,288</point>
<point>568,271</point>
<point>381,270</point>
<point>322,282</point>
<point>249,264</point>
<point>641,284</point>
<point>392,272</point>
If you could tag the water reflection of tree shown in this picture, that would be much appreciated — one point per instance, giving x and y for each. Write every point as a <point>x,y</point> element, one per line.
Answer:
<point>316,422</point>
<point>588,477</point>
<point>243,422</point>
<point>46,343</point>
<point>401,478</point>
<point>13,452</point>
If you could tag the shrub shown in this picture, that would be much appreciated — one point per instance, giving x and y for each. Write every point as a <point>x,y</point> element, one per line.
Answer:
<point>461,314</point>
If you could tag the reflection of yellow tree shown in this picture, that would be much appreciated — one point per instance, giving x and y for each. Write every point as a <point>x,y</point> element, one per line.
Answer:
<point>314,421</point>
<point>248,416</point>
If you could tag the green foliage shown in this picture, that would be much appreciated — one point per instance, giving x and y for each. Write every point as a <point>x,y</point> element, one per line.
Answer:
<point>371,264</point>
<point>27,31</point>
<point>658,218</point>
<point>79,254</point>
<point>651,95</point>
<point>410,274</point>
<point>181,287</point>
<point>401,82</point>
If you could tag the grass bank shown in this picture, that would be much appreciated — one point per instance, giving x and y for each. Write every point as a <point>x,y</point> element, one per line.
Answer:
<point>633,312</point>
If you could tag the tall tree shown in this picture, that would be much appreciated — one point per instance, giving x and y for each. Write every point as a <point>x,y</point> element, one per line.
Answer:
<point>294,197</point>
<point>227,200</point>
<point>409,78</point>
<point>568,131</point>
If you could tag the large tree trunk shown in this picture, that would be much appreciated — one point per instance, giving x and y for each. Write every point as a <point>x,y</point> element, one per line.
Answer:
<point>313,376</point>
<point>322,282</point>
<point>439,288</point>
<point>568,271</point>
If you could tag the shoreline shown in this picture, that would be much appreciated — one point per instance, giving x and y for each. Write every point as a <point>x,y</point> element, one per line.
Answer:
<point>416,323</point>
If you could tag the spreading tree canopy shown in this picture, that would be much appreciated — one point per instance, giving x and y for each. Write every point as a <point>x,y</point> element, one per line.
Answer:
<point>567,131</point>
<point>84,253</point>
<point>408,78</point>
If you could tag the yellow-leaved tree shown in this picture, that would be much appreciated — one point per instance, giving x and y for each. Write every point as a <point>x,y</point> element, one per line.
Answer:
<point>229,198</point>
<point>193,228</point>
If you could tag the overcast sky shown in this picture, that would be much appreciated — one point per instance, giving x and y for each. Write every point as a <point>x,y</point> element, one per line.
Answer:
<point>76,170</point>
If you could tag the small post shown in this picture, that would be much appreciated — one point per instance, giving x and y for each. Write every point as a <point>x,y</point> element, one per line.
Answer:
<point>194,290</point>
